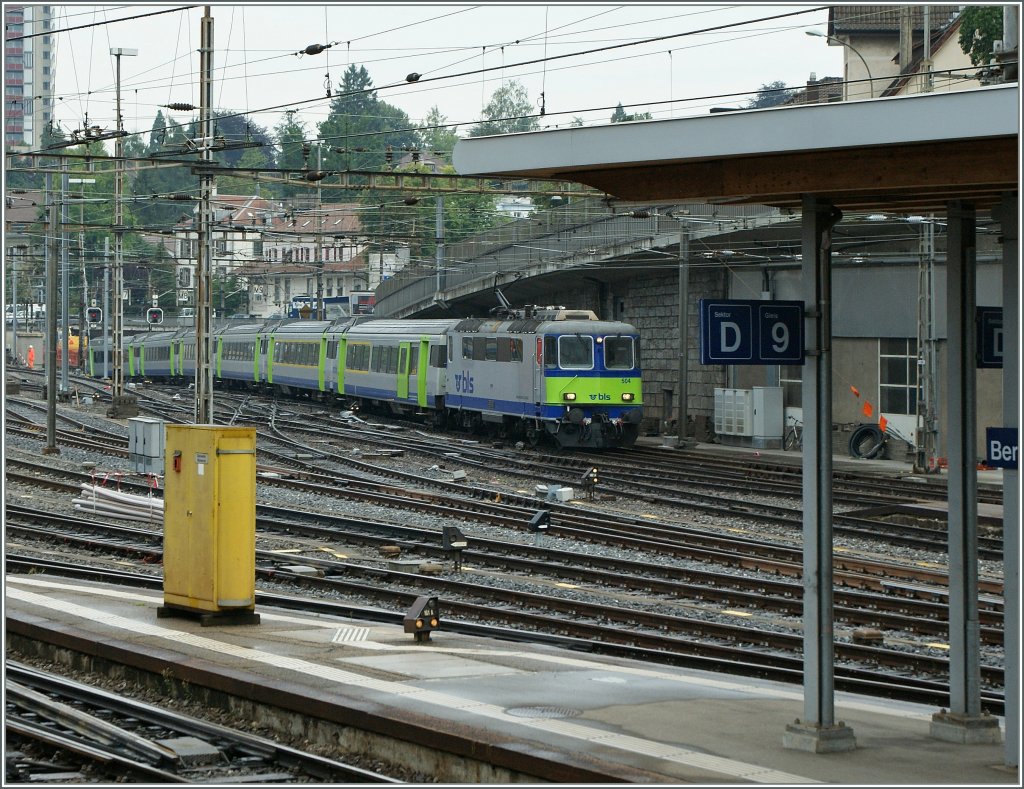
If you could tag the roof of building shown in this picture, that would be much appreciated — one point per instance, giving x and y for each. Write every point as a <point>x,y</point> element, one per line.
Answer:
<point>845,19</point>
<point>20,209</point>
<point>818,91</point>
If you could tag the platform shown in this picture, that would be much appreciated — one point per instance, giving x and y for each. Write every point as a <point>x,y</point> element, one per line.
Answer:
<point>566,715</point>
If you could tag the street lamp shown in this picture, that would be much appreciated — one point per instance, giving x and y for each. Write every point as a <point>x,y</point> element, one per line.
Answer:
<point>871,80</point>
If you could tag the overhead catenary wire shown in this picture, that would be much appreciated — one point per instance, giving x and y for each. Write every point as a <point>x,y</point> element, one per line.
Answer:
<point>404,84</point>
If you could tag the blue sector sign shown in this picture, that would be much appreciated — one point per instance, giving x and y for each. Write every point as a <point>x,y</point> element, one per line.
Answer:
<point>734,331</point>
<point>990,337</point>
<point>1001,447</point>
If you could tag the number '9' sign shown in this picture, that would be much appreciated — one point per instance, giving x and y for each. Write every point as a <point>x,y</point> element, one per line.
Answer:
<point>752,332</point>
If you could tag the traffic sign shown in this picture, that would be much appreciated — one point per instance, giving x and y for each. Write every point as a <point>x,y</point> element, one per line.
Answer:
<point>734,331</point>
<point>990,337</point>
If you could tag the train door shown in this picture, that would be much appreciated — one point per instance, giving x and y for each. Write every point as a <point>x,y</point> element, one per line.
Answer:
<point>342,354</point>
<point>321,364</point>
<point>422,361</point>
<point>263,356</point>
<point>538,374</point>
<point>403,371</point>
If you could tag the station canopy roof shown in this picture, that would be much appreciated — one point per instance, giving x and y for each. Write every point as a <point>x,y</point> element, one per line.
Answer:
<point>903,153</point>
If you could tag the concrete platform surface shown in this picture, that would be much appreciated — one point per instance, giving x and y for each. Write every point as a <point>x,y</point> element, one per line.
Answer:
<point>658,724</point>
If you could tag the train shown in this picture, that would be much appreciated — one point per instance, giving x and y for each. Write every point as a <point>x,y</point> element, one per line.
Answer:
<point>530,374</point>
<point>78,344</point>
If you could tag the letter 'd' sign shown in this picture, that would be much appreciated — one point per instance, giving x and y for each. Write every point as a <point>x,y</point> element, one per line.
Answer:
<point>734,331</point>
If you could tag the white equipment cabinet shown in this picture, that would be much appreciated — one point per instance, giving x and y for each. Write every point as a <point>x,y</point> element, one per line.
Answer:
<point>750,417</point>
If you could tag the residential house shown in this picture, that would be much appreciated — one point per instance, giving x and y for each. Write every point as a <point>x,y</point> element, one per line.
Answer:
<point>272,251</point>
<point>885,52</point>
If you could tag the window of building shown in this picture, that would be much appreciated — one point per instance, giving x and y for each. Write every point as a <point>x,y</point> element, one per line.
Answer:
<point>46,71</point>
<point>897,375</point>
<point>791,379</point>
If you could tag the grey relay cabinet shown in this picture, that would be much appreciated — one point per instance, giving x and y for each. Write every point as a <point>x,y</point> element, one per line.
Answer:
<point>750,417</point>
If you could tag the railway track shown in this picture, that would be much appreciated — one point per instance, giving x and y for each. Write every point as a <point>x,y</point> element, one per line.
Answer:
<point>669,591</point>
<point>96,734</point>
<point>515,512</point>
<point>512,623</point>
<point>622,616</point>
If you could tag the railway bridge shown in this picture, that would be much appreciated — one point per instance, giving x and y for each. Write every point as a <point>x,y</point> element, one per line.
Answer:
<point>536,258</point>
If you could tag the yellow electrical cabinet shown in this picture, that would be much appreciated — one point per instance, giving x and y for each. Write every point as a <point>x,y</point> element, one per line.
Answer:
<point>210,523</point>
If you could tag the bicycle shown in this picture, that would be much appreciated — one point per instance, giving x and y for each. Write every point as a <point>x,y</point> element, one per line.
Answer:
<point>794,436</point>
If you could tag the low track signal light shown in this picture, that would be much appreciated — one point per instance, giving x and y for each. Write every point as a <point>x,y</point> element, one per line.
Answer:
<point>590,480</point>
<point>540,521</point>
<point>454,541</point>
<point>422,617</point>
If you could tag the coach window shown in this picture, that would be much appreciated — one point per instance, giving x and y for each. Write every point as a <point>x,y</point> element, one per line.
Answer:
<point>467,347</point>
<point>575,352</point>
<point>618,353</point>
<point>491,349</point>
<point>414,359</point>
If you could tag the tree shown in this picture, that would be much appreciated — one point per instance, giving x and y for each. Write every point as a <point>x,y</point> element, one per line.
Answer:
<point>620,115</point>
<point>165,139</point>
<point>234,128</point>
<point>290,135</point>
<point>771,94</point>
<point>359,126</point>
<point>509,110</point>
<point>979,27</point>
<point>244,183</point>
<point>437,137</point>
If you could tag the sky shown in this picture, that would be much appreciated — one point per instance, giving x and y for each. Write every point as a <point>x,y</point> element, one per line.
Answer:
<point>706,56</point>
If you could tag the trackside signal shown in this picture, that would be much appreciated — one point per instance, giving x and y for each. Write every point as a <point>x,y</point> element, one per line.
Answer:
<point>154,315</point>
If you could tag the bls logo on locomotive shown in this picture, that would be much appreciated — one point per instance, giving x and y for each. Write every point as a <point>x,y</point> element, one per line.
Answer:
<point>601,397</point>
<point>464,383</point>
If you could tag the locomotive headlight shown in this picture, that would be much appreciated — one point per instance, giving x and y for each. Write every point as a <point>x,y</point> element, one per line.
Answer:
<point>569,396</point>
<point>627,396</point>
